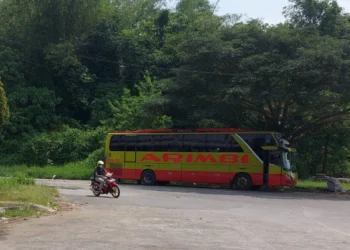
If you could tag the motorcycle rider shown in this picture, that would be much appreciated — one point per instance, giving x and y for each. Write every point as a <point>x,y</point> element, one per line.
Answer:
<point>99,174</point>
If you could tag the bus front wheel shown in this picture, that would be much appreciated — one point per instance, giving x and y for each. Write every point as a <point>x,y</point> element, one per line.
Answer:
<point>148,177</point>
<point>242,181</point>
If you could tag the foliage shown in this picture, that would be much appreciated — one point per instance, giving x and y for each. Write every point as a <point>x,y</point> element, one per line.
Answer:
<point>144,110</point>
<point>317,185</point>
<point>33,109</point>
<point>17,179</point>
<point>21,188</point>
<point>73,171</point>
<point>326,15</point>
<point>4,109</point>
<point>74,70</point>
<point>68,145</point>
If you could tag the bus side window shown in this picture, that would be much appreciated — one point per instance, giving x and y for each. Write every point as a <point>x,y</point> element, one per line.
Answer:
<point>171,143</point>
<point>275,157</point>
<point>232,144</point>
<point>117,143</point>
<point>130,143</point>
<point>222,143</point>
<point>216,143</point>
<point>144,143</point>
<point>256,141</point>
<point>157,143</point>
<point>194,143</point>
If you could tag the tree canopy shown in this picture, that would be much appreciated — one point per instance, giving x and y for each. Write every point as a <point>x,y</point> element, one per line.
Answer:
<point>96,65</point>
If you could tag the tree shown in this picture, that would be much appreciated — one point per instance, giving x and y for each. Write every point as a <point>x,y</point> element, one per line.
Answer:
<point>33,110</point>
<point>285,81</point>
<point>195,46</point>
<point>326,15</point>
<point>144,110</point>
<point>82,64</point>
<point>71,81</point>
<point>329,154</point>
<point>4,109</point>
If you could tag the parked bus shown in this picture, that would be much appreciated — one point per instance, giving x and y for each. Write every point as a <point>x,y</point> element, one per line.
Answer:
<point>244,159</point>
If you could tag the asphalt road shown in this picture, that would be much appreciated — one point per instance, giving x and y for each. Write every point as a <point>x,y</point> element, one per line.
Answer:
<point>186,218</point>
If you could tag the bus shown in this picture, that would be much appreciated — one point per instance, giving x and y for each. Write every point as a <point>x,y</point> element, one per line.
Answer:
<point>243,159</point>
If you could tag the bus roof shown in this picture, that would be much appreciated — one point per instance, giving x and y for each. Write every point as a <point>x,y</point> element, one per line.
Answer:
<point>197,130</point>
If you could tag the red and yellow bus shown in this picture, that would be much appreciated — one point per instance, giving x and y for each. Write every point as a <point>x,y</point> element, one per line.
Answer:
<point>244,159</point>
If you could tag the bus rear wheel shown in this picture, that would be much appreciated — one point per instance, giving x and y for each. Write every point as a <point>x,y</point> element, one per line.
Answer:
<point>148,177</point>
<point>242,181</point>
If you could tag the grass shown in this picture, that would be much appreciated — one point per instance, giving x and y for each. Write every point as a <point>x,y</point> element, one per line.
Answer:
<point>71,171</point>
<point>26,212</point>
<point>22,189</point>
<point>314,185</point>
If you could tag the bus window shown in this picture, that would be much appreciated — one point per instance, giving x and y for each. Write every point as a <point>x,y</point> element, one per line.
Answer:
<point>130,143</point>
<point>117,143</point>
<point>194,143</point>
<point>157,143</point>
<point>172,143</point>
<point>256,141</point>
<point>275,158</point>
<point>252,139</point>
<point>144,143</point>
<point>222,143</point>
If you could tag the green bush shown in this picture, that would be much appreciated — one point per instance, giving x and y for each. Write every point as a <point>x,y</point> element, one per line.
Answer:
<point>23,179</point>
<point>74,171</point>
<point>95,156</point>
<point>69,145</point>
<point>16,179</point>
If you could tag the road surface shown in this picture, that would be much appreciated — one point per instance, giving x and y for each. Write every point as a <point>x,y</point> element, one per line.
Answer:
<point>186,218</point>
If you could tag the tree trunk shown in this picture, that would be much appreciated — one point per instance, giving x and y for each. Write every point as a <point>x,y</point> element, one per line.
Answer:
<point>324,165</point>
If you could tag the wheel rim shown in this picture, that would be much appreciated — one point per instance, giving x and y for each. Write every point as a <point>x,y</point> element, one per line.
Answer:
<point>115,192</point>
<point>148,178</point>
<point>242,182</point>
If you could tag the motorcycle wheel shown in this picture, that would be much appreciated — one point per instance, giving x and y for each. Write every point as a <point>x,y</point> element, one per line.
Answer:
<point>115,192</point>
<point>95,192</point>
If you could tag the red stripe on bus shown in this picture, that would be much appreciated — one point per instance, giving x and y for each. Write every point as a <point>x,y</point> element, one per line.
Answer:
<point>201,177</point>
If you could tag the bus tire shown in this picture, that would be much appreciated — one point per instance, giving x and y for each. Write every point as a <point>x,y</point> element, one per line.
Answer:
<point>242,181</point>
<point>148,177</point>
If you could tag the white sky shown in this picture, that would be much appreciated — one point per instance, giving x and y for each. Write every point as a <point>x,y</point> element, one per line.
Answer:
<point>269,10</point>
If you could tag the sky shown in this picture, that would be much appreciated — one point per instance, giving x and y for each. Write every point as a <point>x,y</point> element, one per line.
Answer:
<point>268,10</point>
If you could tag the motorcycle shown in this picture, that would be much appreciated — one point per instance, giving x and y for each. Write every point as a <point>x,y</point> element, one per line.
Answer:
<point>110,186</point>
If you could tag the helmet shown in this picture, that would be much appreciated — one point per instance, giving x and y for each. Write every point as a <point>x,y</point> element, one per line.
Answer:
<point>100,163</point>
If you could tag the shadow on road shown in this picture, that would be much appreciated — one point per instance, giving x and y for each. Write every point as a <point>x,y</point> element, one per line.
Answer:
<point>101,196</point>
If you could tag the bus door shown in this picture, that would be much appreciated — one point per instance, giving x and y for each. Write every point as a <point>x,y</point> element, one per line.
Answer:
<point>130,156</point>
<point>272,173</point>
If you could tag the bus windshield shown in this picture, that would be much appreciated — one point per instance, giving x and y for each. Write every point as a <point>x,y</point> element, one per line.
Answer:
<point>288,161</point>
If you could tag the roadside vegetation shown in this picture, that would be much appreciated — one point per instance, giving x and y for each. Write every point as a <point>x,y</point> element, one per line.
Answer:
<point>70,71</point>
<point>310,185</point>
<point>71,171</point>
<point>23,191</point>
